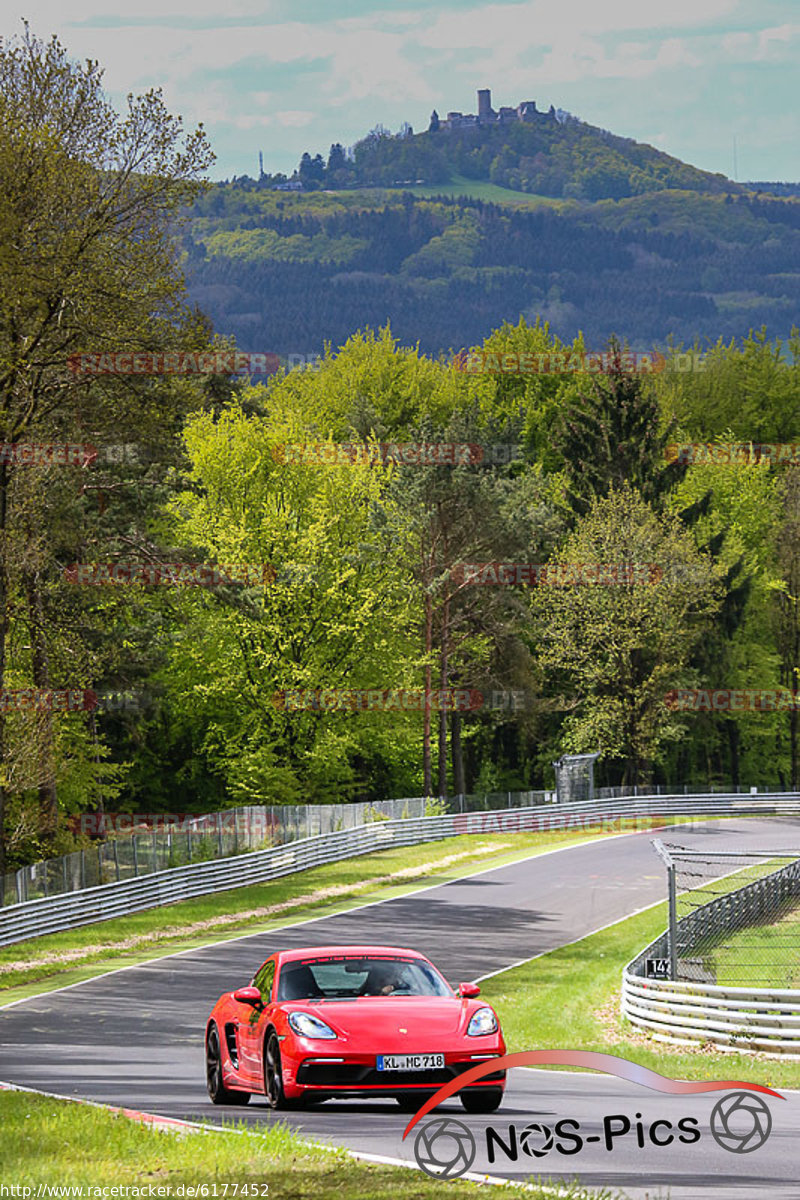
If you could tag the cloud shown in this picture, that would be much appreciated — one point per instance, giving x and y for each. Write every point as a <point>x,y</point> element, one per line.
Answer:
<point>281,65</point>
<point>292,118</point>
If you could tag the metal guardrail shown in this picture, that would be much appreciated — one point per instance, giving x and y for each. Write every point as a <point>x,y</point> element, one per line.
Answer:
<point>685,1011</point>
<point>51,914</point>
<point>754,1019</point>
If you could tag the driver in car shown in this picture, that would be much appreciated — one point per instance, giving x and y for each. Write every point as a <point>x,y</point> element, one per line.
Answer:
<point>383,979</point>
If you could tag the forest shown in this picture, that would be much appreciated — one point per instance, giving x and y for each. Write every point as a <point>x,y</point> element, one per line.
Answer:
<point>288,273</point>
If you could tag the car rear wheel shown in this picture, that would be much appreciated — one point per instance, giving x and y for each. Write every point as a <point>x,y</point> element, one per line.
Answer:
<point>482,1102</point>
<point>216,1089</point>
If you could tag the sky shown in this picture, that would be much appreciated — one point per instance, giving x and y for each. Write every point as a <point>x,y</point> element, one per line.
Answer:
<point>712,82</point>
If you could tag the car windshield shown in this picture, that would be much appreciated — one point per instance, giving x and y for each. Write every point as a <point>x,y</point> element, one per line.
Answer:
<point>347,978</point>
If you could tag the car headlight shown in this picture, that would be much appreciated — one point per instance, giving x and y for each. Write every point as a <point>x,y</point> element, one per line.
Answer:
<point>483,1021</point>
<point>310,1027</point>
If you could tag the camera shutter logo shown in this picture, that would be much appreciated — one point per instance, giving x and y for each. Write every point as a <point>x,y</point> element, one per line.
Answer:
<point>444,1148</point>
<point>741,1122</point>
<point>536,1140</point>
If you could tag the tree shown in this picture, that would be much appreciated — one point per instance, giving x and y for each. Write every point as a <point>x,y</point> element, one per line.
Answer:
<point>753,390</point>
<point>335,617</point>
<point>735,511</point>
<point>613,434</point>
<point>622,647</point>
<point>434,123</point>
<point>789,608</point>
<point>88,202</point>
<point>336,158</point>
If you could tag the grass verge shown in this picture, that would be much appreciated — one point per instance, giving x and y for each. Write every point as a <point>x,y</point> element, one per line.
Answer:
<point>56,1143</point>
<point>569,998</point>
<point>482,189</point>
<point>44,963</point>
<point>764,955</point>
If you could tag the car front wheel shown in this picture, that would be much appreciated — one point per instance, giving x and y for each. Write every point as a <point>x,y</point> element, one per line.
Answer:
<point>411,1101</point>
<point>273,1078</point>
<point>216,1089</point>
<point>481,1102</point>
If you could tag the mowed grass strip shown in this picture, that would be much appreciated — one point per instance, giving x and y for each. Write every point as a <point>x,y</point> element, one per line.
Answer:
<point>61,958</point>
<point>59,1144</point>
<point>569,999</point>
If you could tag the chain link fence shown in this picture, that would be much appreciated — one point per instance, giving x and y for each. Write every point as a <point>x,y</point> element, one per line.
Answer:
<point>734,917</point>
<point>146,849</point>
<point>142,850</point>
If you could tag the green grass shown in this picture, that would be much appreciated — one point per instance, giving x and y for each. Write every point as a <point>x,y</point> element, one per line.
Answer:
<point>58,1143</point>
<point>482,189</point>
<point>569,999</point>
<point>766,955</point>
<point>30,967</point>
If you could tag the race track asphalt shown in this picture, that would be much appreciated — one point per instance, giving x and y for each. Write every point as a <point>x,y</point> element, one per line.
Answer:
<point>134,1037</point>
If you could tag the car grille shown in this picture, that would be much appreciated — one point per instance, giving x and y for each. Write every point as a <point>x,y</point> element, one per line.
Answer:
<point>320,1074</point>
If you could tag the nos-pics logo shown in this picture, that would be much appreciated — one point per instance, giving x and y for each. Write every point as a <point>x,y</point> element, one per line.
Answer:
<point>740,1121</point>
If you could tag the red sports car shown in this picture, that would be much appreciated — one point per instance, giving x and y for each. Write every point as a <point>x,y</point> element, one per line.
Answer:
<point>339,1021</point>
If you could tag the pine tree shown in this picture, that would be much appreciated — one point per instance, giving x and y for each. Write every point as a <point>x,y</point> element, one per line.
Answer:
<point>611,436</point>
<point>336,158</point>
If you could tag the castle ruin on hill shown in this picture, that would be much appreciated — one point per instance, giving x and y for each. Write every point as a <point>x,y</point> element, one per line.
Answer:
<point>486,115</point>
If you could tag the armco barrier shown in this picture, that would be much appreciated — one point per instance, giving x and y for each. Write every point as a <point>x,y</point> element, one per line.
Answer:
<point>18,922</point>
<point>733,1018</point>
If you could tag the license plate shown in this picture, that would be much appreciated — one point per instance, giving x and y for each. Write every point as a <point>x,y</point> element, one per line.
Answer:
<point>410,1062</point>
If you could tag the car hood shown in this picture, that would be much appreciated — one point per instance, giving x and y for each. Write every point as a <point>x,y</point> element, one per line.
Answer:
<point>423,1017</point>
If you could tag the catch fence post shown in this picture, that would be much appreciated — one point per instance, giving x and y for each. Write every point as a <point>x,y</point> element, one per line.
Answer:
<point>672,930</point>
<point>673,923</point>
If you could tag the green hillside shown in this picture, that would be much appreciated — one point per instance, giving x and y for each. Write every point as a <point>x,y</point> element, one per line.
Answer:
<point>538,154</point>
<point>289,272</point>
<point>478,189</point>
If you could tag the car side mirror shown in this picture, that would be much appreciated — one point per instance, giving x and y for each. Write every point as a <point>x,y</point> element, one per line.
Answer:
<point>468,991</point>
<point>248,995</point>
